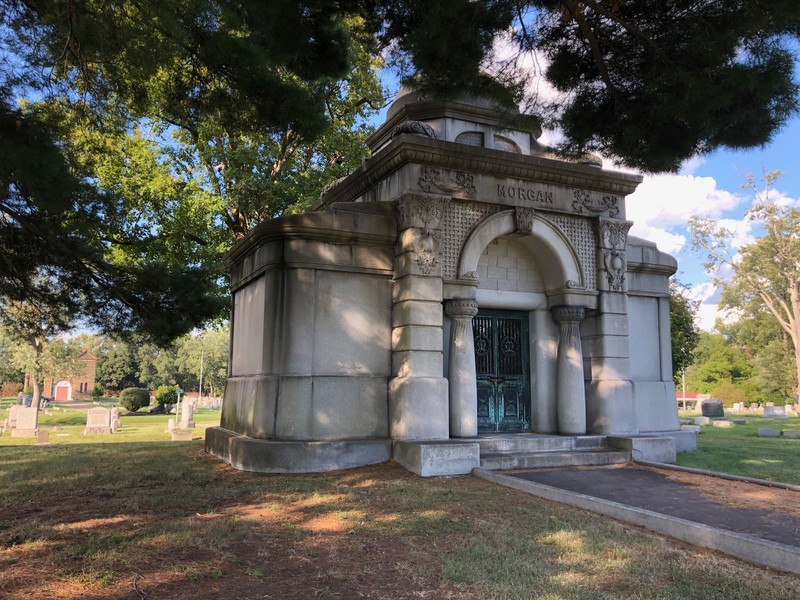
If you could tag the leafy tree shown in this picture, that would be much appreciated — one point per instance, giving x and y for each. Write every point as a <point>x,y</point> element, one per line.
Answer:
<point>683,330</point>
<point>717,362</point>
<point>766,273</point>
<point>208,350</point>
<point>651,83</point>
<point>117,367</point>
<point>167,394</point>
<point>132,399</point>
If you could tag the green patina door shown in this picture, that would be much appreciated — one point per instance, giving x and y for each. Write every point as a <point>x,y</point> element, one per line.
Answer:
<point>503,371</point>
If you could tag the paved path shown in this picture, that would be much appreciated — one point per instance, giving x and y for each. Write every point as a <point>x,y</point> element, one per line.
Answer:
<point>654,491</point>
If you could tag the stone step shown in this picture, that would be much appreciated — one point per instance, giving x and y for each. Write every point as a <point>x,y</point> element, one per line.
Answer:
<point>550,459</point>
<point>497,444</point>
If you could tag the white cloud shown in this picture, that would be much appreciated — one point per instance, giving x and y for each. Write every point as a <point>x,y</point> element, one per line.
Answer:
<point>664,203</point>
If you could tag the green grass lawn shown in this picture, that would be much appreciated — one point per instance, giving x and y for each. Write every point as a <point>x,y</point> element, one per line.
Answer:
<point>65,426</point>
<point>738,450</point>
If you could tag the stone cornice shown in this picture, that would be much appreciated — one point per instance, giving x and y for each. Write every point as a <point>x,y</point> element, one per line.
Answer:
<point>346,227</point>
<point>412,149</point>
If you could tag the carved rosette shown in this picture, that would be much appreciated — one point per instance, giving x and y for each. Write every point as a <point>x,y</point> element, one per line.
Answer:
<point>585,203</point>
<point>523,219</point>
<point>448,181</point>
<point>613,238</point>
<point>461,308</point>
<point>414,127</point>
<point>472,275</point>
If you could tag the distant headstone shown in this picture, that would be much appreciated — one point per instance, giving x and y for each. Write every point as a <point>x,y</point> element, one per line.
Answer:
<point>171,424</point>
<point>187,414</point>
<point>691,428</point>
<point>12,415</point>
<point>98,421</point>
<point>722,423</point>
<point>42,437</point>
<point>767,432</point>
<point>116,424</point>
<point>792,433</point>
<point>26,422</point>
<point>739,422</point>
<point>702,421</point>
<point>775,412</point>
<point>712,409</point>
<point>181,435</point>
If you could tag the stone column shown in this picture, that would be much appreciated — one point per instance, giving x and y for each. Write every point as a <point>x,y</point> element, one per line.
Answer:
<point>418,391</point>
<point>463,384</point>
<point>570,393</point>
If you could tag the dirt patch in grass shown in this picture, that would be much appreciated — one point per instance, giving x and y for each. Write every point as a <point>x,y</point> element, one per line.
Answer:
<point>740,494</point>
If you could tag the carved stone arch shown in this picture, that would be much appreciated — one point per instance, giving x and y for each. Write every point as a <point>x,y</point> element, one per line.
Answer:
<point>555,254</point>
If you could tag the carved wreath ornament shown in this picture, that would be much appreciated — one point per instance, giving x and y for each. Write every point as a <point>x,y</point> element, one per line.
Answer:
<point>585,203</point>
<point>454,183</point>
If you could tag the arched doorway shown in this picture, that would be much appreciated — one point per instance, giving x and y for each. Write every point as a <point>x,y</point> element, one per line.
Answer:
<point>63,391</point>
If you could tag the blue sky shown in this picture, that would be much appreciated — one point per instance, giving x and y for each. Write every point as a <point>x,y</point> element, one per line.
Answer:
<point>711,186</point>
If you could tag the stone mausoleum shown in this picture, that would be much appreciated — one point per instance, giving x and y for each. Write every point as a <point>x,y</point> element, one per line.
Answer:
<point>463,286</point>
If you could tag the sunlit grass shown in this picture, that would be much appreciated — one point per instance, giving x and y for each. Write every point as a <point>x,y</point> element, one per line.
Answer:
<point>738,450</point>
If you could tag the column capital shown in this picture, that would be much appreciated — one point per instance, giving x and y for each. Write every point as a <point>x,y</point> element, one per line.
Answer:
<point>567,314</point>
<point>461,308</point>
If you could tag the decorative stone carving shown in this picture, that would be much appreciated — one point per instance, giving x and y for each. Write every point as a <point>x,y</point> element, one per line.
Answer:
<point>613,240</point>
<point>332,185</point>
<point>461,308</point>
<point>426,212</point>
<point>425,253</point>
<point>586,203</point>
<point>414,127</point>
<point>454,183</point>
<point>573,285</point>
<point>470,275</point>
<point>523,219</point>
<point>582,236</point>
<point>568,314</point>
<point>459,220</point>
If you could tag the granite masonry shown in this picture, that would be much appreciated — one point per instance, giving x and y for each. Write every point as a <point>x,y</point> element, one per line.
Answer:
<point>462,282</point>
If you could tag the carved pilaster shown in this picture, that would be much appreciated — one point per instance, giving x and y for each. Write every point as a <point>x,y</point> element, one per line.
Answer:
<point>613,239</point>
<point>570,391</point>
<point>462,380</point>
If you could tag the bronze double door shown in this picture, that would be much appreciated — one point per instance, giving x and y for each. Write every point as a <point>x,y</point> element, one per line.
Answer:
<point>502,367</point>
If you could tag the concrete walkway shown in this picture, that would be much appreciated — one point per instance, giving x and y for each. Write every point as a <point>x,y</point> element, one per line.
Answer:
<point>648,498</point>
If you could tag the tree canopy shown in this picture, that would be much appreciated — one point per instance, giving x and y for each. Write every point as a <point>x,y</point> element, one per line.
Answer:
<point>765,274</point>
<point>139,139</point>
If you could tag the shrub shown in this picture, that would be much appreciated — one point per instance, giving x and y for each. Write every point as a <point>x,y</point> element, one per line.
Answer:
<point>97,392</point>
<point>167,394</point>
<point>132,399</point>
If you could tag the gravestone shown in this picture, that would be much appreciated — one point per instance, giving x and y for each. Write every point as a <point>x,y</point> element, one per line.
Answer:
<point>722,423</point>
<point>25,422</point>
<point>775,412</point>
<point>187,414</point>
<point>702,421</point>
<point>170,425</point>
<point>767,432</point>
<point>115,421</point>
<point>98,421</point>
<point>791,433</point>
<point>739,422</point>
<point>712,409</point>
<point>42,438</point>
<point>12,416</point>
<point>181,435</point>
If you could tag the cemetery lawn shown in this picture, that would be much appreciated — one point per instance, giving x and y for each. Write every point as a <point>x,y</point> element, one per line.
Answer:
<point>120,520</point>
<point>738,450</point>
